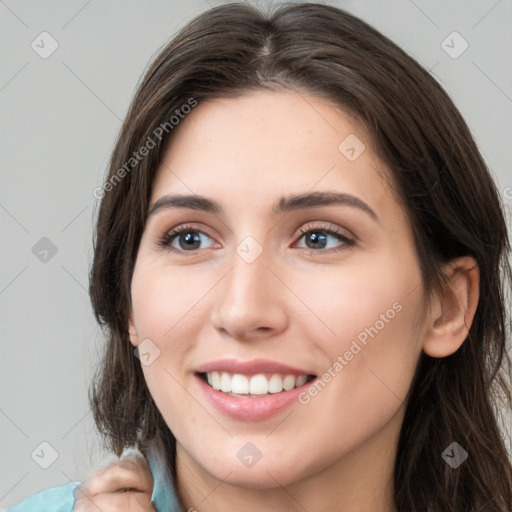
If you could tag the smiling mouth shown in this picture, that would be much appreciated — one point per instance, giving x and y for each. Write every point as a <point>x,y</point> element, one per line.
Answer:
<point>253,386</point>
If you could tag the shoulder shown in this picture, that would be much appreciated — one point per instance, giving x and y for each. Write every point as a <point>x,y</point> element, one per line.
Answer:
<point>54,499</point>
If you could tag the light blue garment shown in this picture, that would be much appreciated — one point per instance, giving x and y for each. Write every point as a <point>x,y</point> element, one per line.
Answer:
<point>62,499</point>
<point>54,499</point>
<point>164,497</point>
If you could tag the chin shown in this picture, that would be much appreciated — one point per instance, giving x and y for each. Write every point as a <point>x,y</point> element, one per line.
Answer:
<point>257,479</point>
<point>263,474</point>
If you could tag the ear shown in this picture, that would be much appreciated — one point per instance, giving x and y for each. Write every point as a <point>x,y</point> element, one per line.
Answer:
<point>452,313</point>
<point>132,331</point>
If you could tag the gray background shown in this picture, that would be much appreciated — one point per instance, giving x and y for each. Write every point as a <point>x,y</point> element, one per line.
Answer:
<point>60,116</point>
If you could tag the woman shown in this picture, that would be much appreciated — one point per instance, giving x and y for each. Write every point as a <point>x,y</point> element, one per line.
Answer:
<point>301,262</point>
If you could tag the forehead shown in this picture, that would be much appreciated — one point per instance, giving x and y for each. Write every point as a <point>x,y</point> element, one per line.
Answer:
<point>262,145</point>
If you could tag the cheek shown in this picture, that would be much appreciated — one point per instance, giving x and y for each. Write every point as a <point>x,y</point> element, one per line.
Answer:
<point>366,331</point>
<point>370,362</point>
<point>355,300</point>
<point>167,309</point>
<point>164,300</point>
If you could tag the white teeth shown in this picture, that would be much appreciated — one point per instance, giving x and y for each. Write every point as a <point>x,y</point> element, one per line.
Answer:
<point>288,382</point>
<point>239,384</point>
<point>215,380</point>
<point>301,381</point>
<point>275,384</point>
<point>225,382</point>
<point>258,384</point>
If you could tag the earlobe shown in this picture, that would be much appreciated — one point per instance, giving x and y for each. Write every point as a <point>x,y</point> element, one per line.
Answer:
<point>453,311</point>
<point>132,331</point>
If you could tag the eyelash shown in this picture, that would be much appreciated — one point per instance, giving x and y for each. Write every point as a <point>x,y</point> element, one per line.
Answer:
<point>166,240</point>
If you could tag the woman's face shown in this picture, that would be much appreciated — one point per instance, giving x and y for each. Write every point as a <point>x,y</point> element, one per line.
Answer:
<point>278,285</point>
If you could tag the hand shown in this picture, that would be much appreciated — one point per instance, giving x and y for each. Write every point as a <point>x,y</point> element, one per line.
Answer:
<point>125,485</point>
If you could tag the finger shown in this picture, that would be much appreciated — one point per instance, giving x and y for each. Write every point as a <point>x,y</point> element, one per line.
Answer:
<point>129,472</point>
<point>115,479</point>
<point>115,502</point>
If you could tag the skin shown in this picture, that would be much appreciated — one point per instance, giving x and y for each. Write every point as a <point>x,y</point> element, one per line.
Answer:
<point>295,304</point>
<point>125,485</point>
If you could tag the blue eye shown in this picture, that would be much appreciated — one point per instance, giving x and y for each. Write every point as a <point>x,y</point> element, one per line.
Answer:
<point>187,239</point>
<point>317,238</point>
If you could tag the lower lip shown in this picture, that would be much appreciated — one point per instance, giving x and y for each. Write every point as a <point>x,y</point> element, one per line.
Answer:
<point>250,409</point>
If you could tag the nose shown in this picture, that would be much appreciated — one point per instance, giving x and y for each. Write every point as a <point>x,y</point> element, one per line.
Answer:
<point>250,300</point>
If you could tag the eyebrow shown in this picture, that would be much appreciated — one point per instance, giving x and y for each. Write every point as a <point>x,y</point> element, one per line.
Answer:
<point>285,205</point>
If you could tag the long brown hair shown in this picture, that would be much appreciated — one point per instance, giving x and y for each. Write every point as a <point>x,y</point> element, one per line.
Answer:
<point>439,175</point>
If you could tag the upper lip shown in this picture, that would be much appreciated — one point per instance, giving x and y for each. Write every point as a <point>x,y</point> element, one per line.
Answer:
<point>251,367</point>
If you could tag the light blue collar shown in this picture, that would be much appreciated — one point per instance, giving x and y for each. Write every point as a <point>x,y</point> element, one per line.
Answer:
<point>164,497</point>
